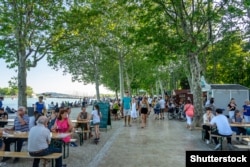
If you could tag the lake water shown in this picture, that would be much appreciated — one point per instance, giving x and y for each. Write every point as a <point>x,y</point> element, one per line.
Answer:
<point>13,103</point>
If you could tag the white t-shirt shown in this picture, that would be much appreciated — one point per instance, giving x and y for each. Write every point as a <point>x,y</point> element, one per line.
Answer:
<point>95,116</point>
<point>162,103</point>
<point>222,124</point>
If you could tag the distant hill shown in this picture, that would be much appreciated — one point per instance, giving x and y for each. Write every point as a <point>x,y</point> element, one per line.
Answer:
<point>57,95</point>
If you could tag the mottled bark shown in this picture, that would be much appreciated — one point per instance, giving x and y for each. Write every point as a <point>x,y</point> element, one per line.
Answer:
<point>196,88</point>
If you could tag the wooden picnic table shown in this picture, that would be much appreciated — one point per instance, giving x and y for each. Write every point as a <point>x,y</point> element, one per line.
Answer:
<point>54,136</point>
<point>7,120</point>
<point>240,124</point>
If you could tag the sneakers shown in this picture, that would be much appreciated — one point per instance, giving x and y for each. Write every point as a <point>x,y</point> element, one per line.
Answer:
<point>207,141</point>
<point>217,146</point>
<point>73,144</point>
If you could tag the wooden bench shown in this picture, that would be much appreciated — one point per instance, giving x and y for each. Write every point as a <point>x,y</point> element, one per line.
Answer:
<point>240,146</point>
<point>52,156</point>
<point>220,139</point>
<point>80,133</point>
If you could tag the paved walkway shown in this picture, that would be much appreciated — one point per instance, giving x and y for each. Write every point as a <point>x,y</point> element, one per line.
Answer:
<point>161,143</point>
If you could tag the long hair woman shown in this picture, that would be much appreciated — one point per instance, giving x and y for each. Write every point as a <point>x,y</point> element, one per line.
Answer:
<point>96,117</point>
<point>144,109</point>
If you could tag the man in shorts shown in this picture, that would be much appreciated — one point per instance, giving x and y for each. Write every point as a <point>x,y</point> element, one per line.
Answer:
<point>162,103</point>
<point>126,105</point>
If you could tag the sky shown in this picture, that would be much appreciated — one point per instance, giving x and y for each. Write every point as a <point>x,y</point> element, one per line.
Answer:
<point>43,78</point>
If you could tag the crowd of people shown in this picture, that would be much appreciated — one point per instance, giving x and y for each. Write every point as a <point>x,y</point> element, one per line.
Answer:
<point>217,123</point>
<point>40,126</point>
<point>214,119</point>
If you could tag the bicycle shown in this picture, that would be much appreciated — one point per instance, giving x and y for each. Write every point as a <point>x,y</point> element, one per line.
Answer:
<point>177,113</point>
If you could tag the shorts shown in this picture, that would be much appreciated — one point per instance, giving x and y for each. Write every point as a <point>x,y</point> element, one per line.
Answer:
<point>126,112</point>
<point>114,111</point>
<point>97,123</point>
<point>162,110</point>
<point>144,110</point>
<point>157,111</point>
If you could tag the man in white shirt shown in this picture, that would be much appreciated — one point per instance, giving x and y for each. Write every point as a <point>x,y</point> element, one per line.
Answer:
<point>39,140</point>
<point>223,128</point>
<point>162,104</point>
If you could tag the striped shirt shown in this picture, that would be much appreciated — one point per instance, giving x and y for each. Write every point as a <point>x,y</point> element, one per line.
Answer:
<point>19,127</point>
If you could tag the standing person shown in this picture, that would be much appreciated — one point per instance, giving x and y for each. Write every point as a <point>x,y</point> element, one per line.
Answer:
<point>115,109</point>
<point>96,117</point>
<point>126,105</point>
<point>150,104</point>
<point>189,111</point>
<point>207,117</point>
<point>162,103</point>
<point>157,109</point>
<point>39,140</point>
<point>144,109</point>
<point>40,106</point>
<point>223,128</point>
<point>1,101</point>
<point>231,107</point>
<point>133,111</point>
<point>21,123</point>
<point>246,111</point>
<point>211,105</point>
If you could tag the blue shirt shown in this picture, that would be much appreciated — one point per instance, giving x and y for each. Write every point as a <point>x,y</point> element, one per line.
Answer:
<point>39,107</point>
<point>19,127</point>
<point>247,110</point>
<point>1,103</point>
<point>126,103</point>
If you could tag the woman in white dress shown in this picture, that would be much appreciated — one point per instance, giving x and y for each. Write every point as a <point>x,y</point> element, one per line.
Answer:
<point>133,111</point>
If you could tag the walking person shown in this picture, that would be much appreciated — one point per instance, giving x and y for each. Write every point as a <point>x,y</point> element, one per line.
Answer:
<point>144,109</point>
<point>96,117</point>
<point>189,111</point>
<point>162,103</point>
<point>126,105</point>
<point>133,111</point>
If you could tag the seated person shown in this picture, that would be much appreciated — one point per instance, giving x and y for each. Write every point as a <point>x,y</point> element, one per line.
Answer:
<point>3,115</point>
<point>63,125</point>
<point>223,128</point>
<point>33,119</point>
<point>39,140</point>
<point>207,117</point>
<point>21,123</point>
<point>238,118</point>
<point>53,118</point>
<point>84,116</point>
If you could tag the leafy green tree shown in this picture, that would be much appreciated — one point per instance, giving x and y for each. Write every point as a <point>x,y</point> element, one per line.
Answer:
<point>26,31</point>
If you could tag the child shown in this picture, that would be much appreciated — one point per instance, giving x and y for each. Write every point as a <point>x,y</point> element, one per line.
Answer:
<point>96,117</point>
<point>133,111</point>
